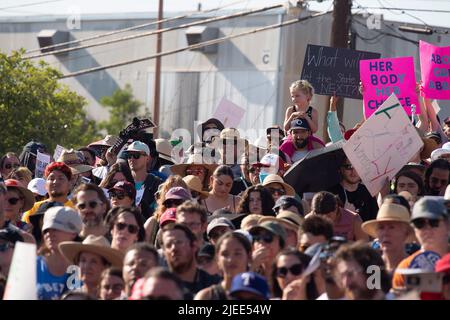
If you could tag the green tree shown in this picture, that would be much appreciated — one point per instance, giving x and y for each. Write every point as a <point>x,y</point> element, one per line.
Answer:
<point>123,107</point>
<point>35,105</point>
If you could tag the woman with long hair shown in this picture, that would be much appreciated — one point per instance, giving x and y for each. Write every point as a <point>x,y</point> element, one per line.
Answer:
<point>257,200</point>
<point>119,171</point>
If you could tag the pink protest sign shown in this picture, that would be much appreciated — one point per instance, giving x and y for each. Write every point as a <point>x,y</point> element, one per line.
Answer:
<point>383,77</point>
<point>435,69</point>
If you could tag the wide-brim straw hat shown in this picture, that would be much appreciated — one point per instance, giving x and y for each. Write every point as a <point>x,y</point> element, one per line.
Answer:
<point>194,159</point>
<point>388,212</point>
<point>71,159</point>
<point>164,149</point>
<point>288,219</point>
<point>194,183</point>
<point>274,178</point>
<point>229,134</point>
<point>92,244</point>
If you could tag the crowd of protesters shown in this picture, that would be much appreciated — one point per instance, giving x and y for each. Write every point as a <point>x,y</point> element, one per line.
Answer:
<point>151,223</point>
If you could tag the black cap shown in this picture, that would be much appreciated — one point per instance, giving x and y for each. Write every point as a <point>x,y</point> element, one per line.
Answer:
<point>287,201</point>
<point>207,251</point>
<point>300,124</point>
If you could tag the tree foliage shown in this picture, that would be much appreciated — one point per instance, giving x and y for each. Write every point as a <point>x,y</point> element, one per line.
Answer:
<point>35,105</point>
<point>123,107</point>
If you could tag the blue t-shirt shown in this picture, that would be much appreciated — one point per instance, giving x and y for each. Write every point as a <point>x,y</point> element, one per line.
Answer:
<point>49,287</point>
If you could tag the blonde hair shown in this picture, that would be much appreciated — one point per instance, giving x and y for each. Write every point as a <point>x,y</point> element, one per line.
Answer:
<point>172,181</point>
<point>302,85</point>
<point>21,172</point>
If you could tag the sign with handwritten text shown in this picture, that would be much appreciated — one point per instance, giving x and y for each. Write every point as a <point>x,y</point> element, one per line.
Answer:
<point>383,145</point>
<point>383,77</point>
<point>334,70</point>
<point>435,70</point>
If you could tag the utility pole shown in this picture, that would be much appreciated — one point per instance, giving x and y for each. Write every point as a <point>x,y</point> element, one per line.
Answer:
<point>157,85</point>
<point>342,13</point>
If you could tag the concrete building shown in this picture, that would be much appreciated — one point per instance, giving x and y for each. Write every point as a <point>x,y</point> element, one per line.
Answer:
<point>254,71</point>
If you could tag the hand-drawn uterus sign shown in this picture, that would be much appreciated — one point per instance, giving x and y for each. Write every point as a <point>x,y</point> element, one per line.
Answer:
<point>382,77</point>
<point>383,145</point>
<point>435,71</point>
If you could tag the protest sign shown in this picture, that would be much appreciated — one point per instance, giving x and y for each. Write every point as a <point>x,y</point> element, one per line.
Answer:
<point>383,145</point>
<point>21,283</point>
<point>42,160</point>
<point>58,152</point>
<point>229,113</point>
<point>382,77</point>
<point>435,70</point>
<point>334,70</point>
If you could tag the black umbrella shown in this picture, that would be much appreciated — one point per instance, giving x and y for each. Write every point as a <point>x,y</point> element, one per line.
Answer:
<point>318,171</point>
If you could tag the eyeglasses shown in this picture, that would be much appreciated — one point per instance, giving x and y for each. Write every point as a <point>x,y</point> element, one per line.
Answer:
<point>5,246</point>
<point>118,195</point>
<point>172,203</point>
<point>279,191</point>
<point>135,156</point>
<point>11,165</point>
<point>91,204</point>
<point>130,227</point>
<point>295,270</point>
<point>14,201</point>
<point>266,237</point>
<point>348,166</point>
<point>420,223</point>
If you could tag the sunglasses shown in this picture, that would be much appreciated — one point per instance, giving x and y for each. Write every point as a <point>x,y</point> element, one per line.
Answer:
<point>295,270</point>
<point>265,237</point>
<point>91,204</point>
<point>347,166</point>
<point>135,156</point>
<point>130,227</point>
<point>11,165</point>
<point>279,191</point>
<point>118,195</point>
<point>422,222</point>
<point>5,246</point>
<point>13,201</point>
<point>172,203</point>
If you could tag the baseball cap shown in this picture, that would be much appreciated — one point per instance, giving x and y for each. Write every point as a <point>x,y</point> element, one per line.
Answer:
<point>170,215</point>
<point>250,282</point>
<point>443,264</point>
<point>219,222</point>
<point>178,193</point>
<point>126,187</point>
<point>430,208</point>
<point>37,185</point>
<point>441,151</point>
<point>62,218</point>
<point>300,124</point>
<point>286,202</point>
<point>207,251</point>
<point>138,146</point>
<point>271,226</point>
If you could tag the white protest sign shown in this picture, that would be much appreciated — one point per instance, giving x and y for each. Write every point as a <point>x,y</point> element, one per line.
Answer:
<point>58,151</point>
<point>21,283</point>
<point>42,160</point>
<point>383,145</point>
<point>229,113</point>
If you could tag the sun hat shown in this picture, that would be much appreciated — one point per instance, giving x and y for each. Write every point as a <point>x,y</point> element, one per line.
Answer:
<point>387,212</point>
<point>75,163</point>
<point>274,178</point>
<point>28,196</point>
<point>194,184</point>
<point>92,244</point>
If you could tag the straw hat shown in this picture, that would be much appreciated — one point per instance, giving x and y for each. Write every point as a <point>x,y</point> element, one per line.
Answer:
<point>194,159</point>
<point>228,134</point>
<point>194,183</point>
<point>28,196</point>
<point>429,145</point>
<point>387,212</point>
<point>96,245</point>
<point>71,159</point>
<point>288,219</point>
<point>164,149</point>
<point>274,178</point>
<point>107,141</point>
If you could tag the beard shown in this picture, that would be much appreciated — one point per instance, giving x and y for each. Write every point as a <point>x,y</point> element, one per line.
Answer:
<point>301,143</point>
<point>92,222</point>
<point>182,267</point>
<point>57,194</point>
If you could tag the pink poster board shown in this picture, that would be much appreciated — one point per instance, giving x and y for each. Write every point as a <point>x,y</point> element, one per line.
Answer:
<point>383,77</point>
<point>435,70</point>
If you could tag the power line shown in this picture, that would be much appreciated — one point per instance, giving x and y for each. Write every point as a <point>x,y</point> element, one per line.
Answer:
<point>389,34</point>
<point>194,46</point>
<point>144,34</point>
<point>406,9</point>
<point>130,28</point>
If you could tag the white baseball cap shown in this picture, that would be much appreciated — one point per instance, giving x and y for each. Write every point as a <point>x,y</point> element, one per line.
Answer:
<point>37,185</point>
